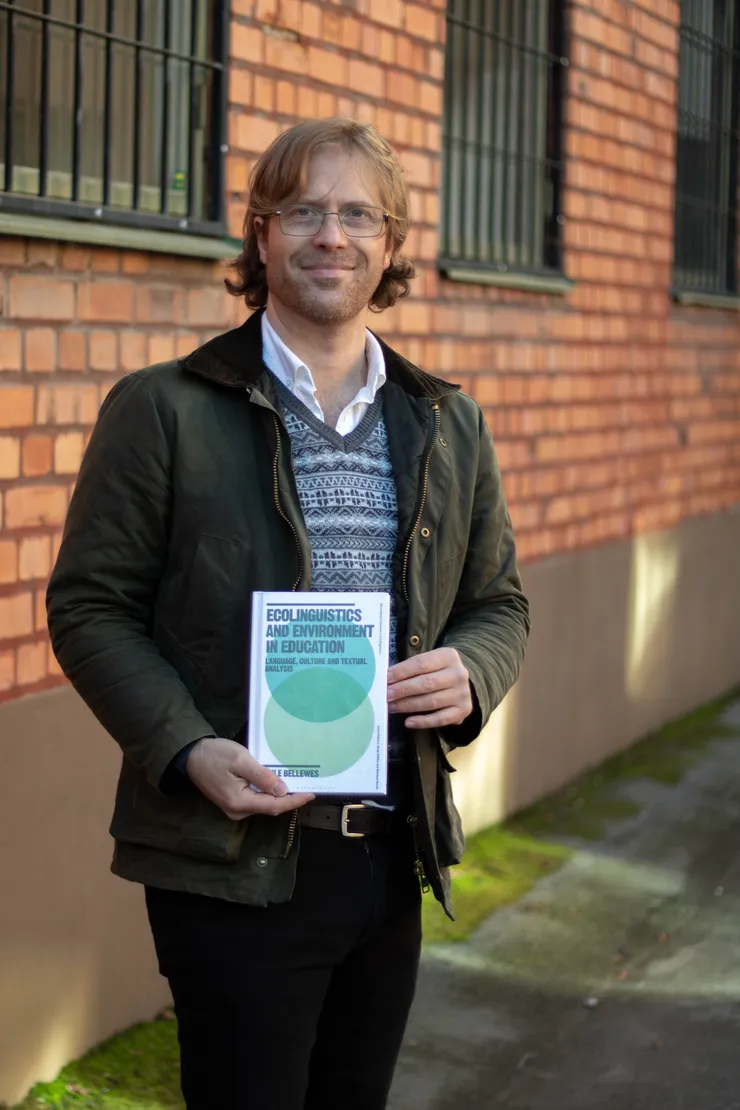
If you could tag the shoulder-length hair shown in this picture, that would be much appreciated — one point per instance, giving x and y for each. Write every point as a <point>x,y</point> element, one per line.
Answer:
<point>280,175</point>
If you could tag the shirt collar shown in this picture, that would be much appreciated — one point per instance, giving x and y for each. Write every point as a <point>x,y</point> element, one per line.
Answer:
<point>294,374</point>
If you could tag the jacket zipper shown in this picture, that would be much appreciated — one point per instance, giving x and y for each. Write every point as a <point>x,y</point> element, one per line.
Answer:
<point>422,503</point>
<point>419,871</point>
<point>276,493</point>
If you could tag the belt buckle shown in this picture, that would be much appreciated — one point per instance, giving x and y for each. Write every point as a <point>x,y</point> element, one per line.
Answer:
<point>345,821</point>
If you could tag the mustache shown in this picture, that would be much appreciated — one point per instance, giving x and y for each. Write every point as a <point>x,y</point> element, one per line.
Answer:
<point>309,258</point>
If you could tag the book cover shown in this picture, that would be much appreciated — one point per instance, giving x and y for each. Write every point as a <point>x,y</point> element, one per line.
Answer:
<point>318,713</point>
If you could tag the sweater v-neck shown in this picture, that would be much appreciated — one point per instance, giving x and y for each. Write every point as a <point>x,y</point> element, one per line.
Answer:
<point>346,444</point>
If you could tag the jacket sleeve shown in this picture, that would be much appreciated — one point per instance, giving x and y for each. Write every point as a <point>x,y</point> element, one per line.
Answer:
<point>103,588</point>
<point>489,622</point>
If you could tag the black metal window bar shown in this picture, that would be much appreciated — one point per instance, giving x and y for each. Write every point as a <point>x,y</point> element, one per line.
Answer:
<point>114,110</point>
<point>707,148</point>
<point>502,151</point>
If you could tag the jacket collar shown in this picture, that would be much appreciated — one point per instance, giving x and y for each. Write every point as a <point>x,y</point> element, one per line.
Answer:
<point>235,359</point>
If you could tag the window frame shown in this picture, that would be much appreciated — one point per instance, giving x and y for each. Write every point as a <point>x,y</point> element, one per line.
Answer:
<point>102,214</point>
<point>707,290</point>
<point>549,274</point>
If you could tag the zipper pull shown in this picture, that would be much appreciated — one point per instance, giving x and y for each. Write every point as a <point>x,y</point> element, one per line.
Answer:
<point>419,871</point>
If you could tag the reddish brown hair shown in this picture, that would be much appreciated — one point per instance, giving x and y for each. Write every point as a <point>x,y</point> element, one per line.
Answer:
<point>280,174</point>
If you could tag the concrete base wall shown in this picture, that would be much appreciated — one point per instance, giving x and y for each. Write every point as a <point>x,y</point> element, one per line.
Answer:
<point>625,637</point>
<point>76,958</point>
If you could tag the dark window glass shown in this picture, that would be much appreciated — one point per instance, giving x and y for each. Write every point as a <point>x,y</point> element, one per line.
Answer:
<point>502,134</point>
<point>705,250</point>
<point>115,106</point>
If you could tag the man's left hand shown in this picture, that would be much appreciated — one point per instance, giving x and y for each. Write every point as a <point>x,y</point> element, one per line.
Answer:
<point>434,687</point>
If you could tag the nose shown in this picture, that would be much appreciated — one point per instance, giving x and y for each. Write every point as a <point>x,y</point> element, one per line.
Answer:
<point>331,233</point>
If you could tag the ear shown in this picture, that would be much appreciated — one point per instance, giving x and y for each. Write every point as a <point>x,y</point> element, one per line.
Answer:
<point>387,255</point>
<point>261,227</point>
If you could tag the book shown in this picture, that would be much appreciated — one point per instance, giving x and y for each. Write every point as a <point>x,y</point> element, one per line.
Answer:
<point>318,711</point>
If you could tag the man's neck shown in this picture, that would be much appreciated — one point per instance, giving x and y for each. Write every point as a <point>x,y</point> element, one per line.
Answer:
<point>335,354</point>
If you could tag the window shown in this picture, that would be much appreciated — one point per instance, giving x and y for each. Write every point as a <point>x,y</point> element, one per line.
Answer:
<point>707,151</point>
<point>114,110</point>
<point>502,165</point>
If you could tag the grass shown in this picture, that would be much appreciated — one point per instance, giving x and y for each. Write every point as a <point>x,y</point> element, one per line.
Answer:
<point>138,1069</point>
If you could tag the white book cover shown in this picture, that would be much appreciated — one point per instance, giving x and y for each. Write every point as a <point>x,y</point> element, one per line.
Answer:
<point>318,711</point>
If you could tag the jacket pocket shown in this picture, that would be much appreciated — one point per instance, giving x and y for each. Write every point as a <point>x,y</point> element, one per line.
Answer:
<point>212,630</point>
<point>185,823</point>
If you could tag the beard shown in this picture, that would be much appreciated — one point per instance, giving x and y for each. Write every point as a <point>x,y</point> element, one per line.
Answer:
<point>324,300</point>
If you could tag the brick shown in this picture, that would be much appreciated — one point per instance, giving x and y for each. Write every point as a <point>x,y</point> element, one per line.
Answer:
<point>42,252</point>
<point>33,506</point>
<point>106,301</point>
<point>39,610</point>
<point>255,134</point>
<point>328,66</point>
<point>34,558</point>
<point>160,304</point>
<point>74,257</point>
<point>421,22</point>
<point>285,54</point>
<point>36,455</point>
<point>135,262</point>
<point>67,404</point>
<point>68,450</point>
<point>103,350</point>
<point>133,350</point>
<point>160,348</point>
<point>31,663</point>
<point>263,96</point>
<point>16,406</point>
<point>184,344</point>
<point>363,77</point>
<point>72,350</point>
<point>285,99</point>
<point>207,307</point>
<point>40,350</point>
<point>8,562</point>
<point>388,12</point>
<point>12,251</point>
<point>39,298</point>
<point>16,615</point>
<point>7,670</point>
<point>104,261</point>
<point>310,21</point>
<point>10,457</point>
<point>10,349</point>
<point>246,43</point>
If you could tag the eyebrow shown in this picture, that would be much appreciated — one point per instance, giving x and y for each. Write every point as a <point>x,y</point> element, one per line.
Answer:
<point>347,203</point>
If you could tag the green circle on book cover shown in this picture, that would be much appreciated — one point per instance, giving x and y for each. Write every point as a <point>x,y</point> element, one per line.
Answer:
<point>334,745</point>
<point>328,688</point>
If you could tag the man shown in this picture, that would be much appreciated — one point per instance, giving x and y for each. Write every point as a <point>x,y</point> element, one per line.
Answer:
<point>295,452</point>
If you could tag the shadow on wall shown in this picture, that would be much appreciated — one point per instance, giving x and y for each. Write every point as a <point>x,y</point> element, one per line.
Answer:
<point>625,637</point>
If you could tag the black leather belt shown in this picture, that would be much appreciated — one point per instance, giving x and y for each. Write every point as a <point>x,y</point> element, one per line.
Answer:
<point>349,820</point>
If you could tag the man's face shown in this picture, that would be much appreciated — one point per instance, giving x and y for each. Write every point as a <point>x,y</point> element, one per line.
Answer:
<point>328,277</point>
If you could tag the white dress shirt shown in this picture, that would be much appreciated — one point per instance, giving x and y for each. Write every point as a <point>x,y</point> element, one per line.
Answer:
<point>296,376</point>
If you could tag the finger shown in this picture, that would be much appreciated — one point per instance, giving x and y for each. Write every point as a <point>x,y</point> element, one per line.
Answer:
<point>267,804</point>
<point>424,684</point>
<point>427,703</point>
<point>248,768</point>
<point>419,664</point>
<point>441,719</point>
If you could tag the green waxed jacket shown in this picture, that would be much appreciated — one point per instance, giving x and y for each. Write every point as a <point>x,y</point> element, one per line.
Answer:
<point>185,503</point>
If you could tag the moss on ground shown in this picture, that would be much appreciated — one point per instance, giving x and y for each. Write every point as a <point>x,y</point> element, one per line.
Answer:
<point>138,1070</point>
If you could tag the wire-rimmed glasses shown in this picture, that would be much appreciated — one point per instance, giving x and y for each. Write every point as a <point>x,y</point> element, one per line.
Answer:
<point>359,221</point>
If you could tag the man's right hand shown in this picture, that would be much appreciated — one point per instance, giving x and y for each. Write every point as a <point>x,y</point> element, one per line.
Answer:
<point>224,771</point>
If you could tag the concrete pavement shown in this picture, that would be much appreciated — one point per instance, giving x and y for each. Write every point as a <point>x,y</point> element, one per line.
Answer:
<point>613,985</point>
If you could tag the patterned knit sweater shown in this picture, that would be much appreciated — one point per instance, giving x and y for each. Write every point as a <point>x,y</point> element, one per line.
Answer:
<point>348,497</point>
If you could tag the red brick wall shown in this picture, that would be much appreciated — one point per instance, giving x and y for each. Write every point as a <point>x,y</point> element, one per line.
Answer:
<point>615,411</point>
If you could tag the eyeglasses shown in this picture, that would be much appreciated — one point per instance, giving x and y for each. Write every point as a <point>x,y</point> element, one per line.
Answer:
<point>359,221</point>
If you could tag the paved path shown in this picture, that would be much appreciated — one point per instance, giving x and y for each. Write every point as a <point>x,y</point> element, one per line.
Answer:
<point>614,984</point>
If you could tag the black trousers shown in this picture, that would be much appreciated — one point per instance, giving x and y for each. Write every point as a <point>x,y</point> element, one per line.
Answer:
<point>302,1005</point>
